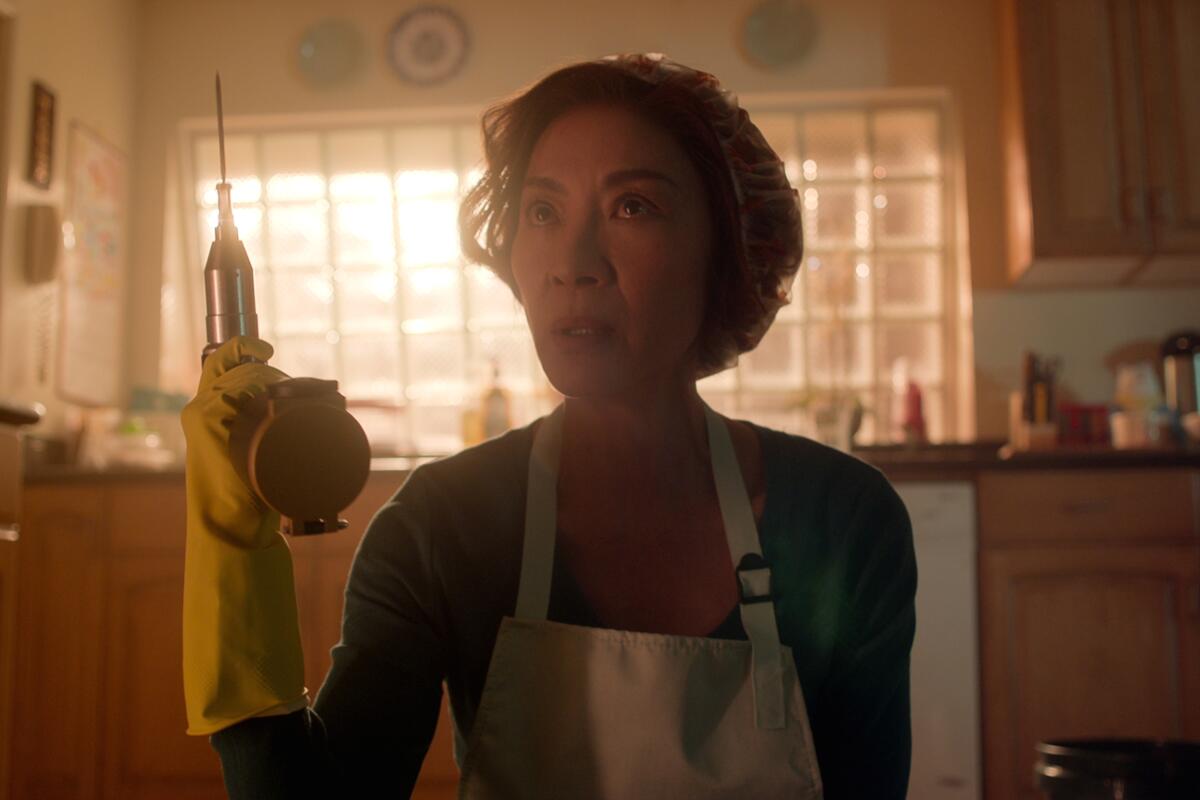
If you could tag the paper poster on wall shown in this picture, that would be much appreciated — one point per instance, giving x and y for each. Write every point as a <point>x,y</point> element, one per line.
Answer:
<point>92,288</point>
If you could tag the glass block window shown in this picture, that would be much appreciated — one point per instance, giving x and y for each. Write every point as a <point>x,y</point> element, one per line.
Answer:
<point>358,276</point>
<point>874,301</point>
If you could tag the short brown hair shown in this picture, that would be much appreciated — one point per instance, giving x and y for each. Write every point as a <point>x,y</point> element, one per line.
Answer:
<point>735,314</point>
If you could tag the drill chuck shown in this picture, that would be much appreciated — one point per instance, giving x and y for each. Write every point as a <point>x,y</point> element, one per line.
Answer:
<point>229,291</point>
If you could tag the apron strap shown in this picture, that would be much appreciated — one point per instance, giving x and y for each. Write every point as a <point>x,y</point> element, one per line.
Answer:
<point>541,519</point>
<point>753,576</point>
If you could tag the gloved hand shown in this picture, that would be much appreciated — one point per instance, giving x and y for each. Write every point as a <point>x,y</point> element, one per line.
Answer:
<point>241,634</point>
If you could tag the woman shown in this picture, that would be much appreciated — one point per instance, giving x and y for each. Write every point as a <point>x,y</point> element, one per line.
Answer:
<point>631,596</point>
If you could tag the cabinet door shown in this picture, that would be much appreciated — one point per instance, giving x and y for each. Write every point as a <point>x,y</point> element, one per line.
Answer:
<point>56,719</point>
<point>1081,135</point>
<point>1170,46</point>
<point>8,639</point>
<point>1085,640</point>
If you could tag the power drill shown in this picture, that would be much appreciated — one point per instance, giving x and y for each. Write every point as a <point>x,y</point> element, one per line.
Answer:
<point>296,446</point>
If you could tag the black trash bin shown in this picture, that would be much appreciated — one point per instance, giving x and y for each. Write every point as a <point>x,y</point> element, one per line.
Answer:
<point>1118,769</point>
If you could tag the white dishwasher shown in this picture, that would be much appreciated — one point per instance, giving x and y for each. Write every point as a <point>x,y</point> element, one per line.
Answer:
<point>945,655</point>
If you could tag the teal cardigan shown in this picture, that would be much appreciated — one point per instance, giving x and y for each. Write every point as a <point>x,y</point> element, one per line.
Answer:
<point>438,568</point>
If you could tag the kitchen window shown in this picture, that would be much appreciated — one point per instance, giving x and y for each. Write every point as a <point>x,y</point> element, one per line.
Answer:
<point>351,229</point>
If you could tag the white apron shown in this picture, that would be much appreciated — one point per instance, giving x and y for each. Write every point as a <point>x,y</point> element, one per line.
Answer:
<point>577,712</point>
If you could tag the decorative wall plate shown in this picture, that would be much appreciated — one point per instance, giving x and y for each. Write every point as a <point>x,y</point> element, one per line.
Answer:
<point>428,45</point>
<point>778,33</point>
<point>330,52</point>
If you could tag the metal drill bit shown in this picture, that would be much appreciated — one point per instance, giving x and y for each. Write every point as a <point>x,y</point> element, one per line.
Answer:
<point>220,127</point>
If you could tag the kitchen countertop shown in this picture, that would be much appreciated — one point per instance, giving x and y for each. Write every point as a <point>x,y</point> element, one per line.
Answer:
<point>961,460</point>
<point>951,461</point>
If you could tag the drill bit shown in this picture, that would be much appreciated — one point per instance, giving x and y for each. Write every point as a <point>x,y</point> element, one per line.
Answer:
<point>220,127</point>
<point>225,223</point>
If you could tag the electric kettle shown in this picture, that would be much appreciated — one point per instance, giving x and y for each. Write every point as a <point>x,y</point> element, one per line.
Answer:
<point>1181,371</point>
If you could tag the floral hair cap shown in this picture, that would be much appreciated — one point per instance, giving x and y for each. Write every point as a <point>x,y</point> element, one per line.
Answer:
<point>771,239</point>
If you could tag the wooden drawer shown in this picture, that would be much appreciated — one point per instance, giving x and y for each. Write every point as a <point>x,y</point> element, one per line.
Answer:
<point>1110,504</point>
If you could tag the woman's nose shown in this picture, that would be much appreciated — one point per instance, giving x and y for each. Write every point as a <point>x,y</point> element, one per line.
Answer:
<point>585,260</point>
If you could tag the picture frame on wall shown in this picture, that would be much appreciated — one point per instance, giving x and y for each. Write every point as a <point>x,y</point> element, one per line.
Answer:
<point>41,137</point>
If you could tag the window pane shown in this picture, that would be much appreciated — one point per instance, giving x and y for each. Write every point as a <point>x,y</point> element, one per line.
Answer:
<point>428,232</point>
<point>839,355</point>
<point>304,357</point>
<point>909,214</point>
<point>835,145</point>
<point>370,366</point>
<point>907,143</point>
<point>304,299</point>
<point>839,283</point>
<point>909,283</point>
<point>293,163</point>
<point>436,366</point>
<point>370,186</point>
<point>363,233</point>
<point>298,235</point>
<point>423,182</point>
<point>920,343</point>
<point>777,362</point>
<point>837,216</point>
<point>367,299</point>
<point>491,302</point>
<point>432,299</point>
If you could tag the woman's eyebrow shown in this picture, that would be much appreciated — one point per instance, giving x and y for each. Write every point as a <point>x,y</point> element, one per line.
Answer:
<point>612,179</point>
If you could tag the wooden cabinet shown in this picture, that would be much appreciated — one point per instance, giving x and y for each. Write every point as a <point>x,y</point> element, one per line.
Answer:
<point>1168,34</point>
<point>1102,141</point>
<point>1089,612</point>
<point>98,695</point>
<point>8,638</point>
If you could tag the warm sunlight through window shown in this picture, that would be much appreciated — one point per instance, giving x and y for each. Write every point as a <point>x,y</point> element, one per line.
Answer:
<point>353,236</point>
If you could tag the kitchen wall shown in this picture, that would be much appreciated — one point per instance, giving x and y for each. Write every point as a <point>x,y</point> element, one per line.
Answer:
<point>85,52</point>
<point>862,44</point>
<point>256,54</point>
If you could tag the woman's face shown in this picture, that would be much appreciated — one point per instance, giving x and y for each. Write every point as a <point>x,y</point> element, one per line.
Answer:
<point>614,228</point>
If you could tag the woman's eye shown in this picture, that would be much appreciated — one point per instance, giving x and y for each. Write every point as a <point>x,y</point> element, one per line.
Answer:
<point>639,207</point>
<point>539,213</point>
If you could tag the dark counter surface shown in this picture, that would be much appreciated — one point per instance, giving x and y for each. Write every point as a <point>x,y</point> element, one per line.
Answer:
<point>961,460</point>
<point>950,461</point>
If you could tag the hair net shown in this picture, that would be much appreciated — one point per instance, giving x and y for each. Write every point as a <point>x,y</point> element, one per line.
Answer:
<point>767,202</point>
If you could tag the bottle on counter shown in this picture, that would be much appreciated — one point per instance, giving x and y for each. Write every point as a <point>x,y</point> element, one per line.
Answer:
<point>497,406</point>
<point>491,415</point>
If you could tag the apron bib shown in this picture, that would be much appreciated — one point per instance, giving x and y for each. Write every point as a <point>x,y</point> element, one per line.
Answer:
<point>569,711</point>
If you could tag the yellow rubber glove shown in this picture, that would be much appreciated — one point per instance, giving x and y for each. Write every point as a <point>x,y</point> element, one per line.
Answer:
<point>241,634</point>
